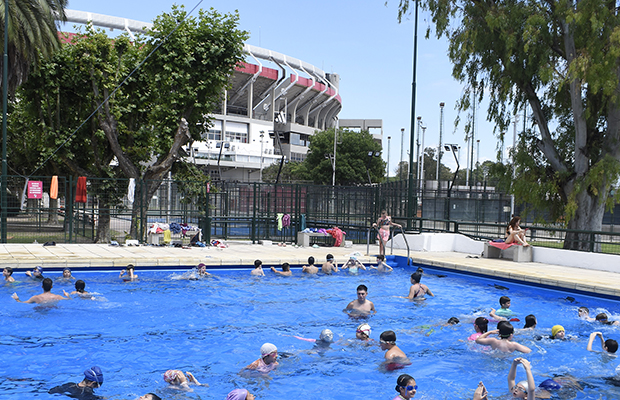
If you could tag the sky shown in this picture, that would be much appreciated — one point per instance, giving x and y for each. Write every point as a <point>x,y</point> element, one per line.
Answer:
<point>362,41</point>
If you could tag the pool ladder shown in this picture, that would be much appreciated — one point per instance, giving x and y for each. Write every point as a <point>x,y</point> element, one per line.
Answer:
<point>409,260</point>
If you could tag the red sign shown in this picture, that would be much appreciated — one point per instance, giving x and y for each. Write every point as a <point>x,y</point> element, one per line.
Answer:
<point>35,189</point>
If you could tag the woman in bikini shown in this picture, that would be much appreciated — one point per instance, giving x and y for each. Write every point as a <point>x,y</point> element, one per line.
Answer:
<point>514,233</point>
<point>418,290</point>
<point>384,223</point>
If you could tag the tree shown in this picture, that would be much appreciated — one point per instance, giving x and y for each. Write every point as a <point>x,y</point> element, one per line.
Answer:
<point>32,35</point>
<point>352,161</point>
<point>562,59</point>
<point>402,170</point>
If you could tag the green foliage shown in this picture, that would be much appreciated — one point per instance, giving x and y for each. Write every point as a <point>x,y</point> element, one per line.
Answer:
<point>352,160</point>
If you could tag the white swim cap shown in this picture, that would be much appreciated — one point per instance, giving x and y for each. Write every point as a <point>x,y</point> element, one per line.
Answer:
<point>364,328</point>
<point>326,336</point>
<point>267,348</point>
<point>525,386</point>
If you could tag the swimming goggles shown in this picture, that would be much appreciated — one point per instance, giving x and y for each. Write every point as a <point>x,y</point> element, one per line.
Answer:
<point>410,388</point>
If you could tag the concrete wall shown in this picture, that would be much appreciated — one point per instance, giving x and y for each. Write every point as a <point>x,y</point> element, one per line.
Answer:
<point>442,242</point>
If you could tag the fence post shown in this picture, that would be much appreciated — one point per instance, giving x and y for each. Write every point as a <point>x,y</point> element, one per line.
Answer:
<point>592,239</point>
<point>207,228</point>
<point>69,208</point>
<point>253,233</point>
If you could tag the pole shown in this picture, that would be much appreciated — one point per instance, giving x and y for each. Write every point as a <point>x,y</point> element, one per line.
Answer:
<point>467,162</point>
<point>471,138</point>
<point>402,149</point>
<point>410,197</point>
<point>514,142</point>
<point>441,105</point>
<point>422,160</point>
<point>388,159</point>
<point>417,152</point>
<point>262,135</point>
<point>334,158</point>
<point>5,79</point>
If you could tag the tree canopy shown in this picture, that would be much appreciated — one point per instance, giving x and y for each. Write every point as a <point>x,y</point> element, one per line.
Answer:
<point>562,60</point>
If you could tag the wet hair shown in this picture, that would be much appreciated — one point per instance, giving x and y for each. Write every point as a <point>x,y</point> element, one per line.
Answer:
<point>503,300</point>
<point>505,330</point>
<point>402,381</point>
<point>602,317</point>
<point>388,336</point>
<point>381,257</point>
<point>130,266</point>
<point>286,267</point>
<point>530,321</point>
<point>420,270</point>
<point>9,270</point>
<point>329,257</point>
<point>47,284</point>
<point>257,263</point>
<point>586,309</point>
<point>416,276</point>
<point>611,345</point>
<point>80,285</point>
<point>482,323</point>
<point>362,287</point>
<point>310,260</point>
<point>453,321</point>
<point>153,396</point>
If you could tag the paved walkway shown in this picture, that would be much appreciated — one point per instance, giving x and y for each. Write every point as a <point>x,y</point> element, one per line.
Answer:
<point>27,256</point>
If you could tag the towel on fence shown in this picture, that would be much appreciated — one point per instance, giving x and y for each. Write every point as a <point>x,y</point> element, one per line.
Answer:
<point>503,246</point>
<point>286,220</point>
<point>336,234</point>
<point>279,217</point>
<point>54,187</point>
<point>80,190</point>
<point>131,190</point>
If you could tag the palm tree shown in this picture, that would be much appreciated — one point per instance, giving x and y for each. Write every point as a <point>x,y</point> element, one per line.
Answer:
<point>32,34</point>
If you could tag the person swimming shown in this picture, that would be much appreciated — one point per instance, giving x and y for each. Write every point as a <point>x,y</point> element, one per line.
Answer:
<point>268,360</point>
<point>481,325</point>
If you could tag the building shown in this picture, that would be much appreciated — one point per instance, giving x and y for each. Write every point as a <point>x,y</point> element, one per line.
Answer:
<point>275,103</point>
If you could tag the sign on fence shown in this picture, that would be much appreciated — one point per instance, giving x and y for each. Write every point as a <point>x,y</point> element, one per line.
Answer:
<point>35,189</point>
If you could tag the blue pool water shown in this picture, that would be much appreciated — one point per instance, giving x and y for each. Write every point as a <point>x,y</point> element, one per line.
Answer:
<point>214,327</point>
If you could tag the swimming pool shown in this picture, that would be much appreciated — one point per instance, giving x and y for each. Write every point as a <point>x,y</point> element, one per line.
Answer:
<point>214,327</point>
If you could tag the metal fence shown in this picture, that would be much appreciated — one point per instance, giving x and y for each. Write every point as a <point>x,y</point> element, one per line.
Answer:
<point>252,211</point>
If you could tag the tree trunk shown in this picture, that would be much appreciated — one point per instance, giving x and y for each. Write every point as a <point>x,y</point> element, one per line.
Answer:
<point>52,216</point>
<point>103,226</point>
<point>588,217</point>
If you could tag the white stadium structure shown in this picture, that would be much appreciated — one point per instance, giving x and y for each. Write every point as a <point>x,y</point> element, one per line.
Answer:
<point>269,111</point>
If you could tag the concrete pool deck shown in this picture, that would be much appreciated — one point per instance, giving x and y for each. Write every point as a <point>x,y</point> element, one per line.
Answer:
<point>27,256</point>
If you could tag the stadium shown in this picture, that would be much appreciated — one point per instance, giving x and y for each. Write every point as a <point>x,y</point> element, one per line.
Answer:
<point>275,103</point>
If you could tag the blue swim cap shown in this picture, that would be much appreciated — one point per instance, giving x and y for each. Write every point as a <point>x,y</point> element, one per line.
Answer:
<point>550,384</point>
<point>94,374</point>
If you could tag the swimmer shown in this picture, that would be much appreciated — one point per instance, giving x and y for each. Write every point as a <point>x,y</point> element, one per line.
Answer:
<point>46,297</point>
<point>202,270</point>
<point>286,270</point>
<point>329,266</point>
<point>406,387</point>
<point>36,274</point>
<point>558,332</point>
<point>240,394</point>
<point>584,313</point>
<point>393,353</point>
<point>504,343</point>
<point>382,265</point>
<point>7,272</point>
<point>129,272</point>
<point>310,268</point>
<point>530,322</point>
<point>361,305</point>
<point>93,378</point>
<point>258,269</point>
<point>268,360</point>
<point>609,345</point>
<point>602,318</point>
<point>524,389</point>
<point>178,380</point>
<point>504,312</point>
<point>417,289</point>
<point>66,274</point>
<point>149,396</point>
<point>481,325</point>
<point>80,285</point>
<point>353,265</point>
<point>363,332</point>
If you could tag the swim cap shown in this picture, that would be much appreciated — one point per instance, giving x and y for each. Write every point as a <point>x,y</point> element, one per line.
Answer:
<point>237,394</point>
<point>326,336</point>
<point>267,348</point>
<point>352,258</point>
<point>525,386</point>
<point>550,384</point>
<point>202,265</point>
<point>94,374</point>
<point>170,375</point>
<point>364,328</point>
<point>556,329</point>
<point>38,268</point>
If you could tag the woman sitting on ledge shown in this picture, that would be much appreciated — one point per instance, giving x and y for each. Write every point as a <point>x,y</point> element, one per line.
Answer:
<point>514,233</point>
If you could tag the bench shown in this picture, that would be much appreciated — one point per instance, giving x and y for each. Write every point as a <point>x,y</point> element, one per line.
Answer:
<point>515,253</point>
<point>303,238</point>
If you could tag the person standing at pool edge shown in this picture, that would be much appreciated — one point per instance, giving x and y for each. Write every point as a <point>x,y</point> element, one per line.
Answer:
<point>93,378</point>
<point>46,297</point>
<point>361,305</point>
<point>384,223</point>
<point>268,360</point>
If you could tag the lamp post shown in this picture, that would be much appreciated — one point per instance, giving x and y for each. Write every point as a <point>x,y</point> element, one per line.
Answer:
<point>412,119</point>
<point>388,158</point>
<point>402,148</point>
<point>5,85</point>
<point>417,153</point>
<point>370,155</point>
<point>422,159</point>
<point>262,135</point>
<point>439,148</point>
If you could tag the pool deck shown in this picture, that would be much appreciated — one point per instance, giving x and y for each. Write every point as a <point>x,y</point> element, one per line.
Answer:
<point>27,256</point>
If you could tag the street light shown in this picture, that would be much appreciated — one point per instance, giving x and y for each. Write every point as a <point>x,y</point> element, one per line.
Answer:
<point>402,147</point>
<point>388,158</point>
<point>262,135</point>
<point>454,148</point>
<point>370,155</point>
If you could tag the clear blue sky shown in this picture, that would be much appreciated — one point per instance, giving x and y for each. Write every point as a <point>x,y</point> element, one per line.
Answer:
<point>361,41</point>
